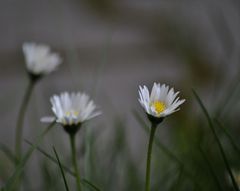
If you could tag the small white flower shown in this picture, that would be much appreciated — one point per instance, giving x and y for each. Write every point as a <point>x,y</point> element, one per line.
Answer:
<point>39,59</point>
<point>162,102</point>
<point>72,109</point>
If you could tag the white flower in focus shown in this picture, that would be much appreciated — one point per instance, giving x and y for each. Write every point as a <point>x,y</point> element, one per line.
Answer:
<point>162,101</point>
<point>39,59</point>
<point>72,109</point>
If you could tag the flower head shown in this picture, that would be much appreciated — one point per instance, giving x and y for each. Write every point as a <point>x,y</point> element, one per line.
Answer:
<point>72,109</point>
<point>162,101</point>
<point>39,59</point>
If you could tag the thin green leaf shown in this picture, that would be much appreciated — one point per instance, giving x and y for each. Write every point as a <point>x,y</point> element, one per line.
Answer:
<point>211,169</point>
<point>178,182</point>
<point>83,181</point>
<point>8,153</point>
<point>51,158</point>
<point>19,168</point>
<point>89,184</point>
<point>50,177</point>
<point>228,135</point>
<point>217,139</point>
<point>228,100</point>
<point>62,172</point>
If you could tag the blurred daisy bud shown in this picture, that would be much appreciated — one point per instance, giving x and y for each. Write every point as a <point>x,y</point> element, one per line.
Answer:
<point>71,110</point>
<point>40,60</point>
<point>162,102</point>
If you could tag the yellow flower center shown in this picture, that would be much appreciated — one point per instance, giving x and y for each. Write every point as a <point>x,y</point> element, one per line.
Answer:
<point>73,113</point>
<point>159,106</point>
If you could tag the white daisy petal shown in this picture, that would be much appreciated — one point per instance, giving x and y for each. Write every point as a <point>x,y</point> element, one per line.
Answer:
<point>162,102</point>
<point>48,119</point>
<point>72,108</point>
<point>39,59</point>
<point>154,92</point>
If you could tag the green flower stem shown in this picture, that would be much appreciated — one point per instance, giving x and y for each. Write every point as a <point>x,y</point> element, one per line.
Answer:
<point>149,154</point>
<point>74,161</point>
<point>20,119</point>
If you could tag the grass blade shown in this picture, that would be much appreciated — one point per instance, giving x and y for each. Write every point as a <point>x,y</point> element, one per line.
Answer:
<point>8,153</point>
<point>211,169</point>
<point>83,181</point>
<point>51,158</point>
<point>210,123</point>
<point>86,182</point>
<point>10,185</point>
<point>228,135</point>
<point>176,186</point>
<point>62,172</point>
<point>232,93</point>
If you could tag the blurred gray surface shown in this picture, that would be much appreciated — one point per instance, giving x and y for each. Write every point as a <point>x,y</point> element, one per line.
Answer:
<point>110,49</point>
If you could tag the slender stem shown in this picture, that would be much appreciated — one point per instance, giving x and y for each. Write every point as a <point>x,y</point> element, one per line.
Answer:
<point>165,150</point>
<point>20,119</point>
<point>149,154</point>
<point>74,161</point>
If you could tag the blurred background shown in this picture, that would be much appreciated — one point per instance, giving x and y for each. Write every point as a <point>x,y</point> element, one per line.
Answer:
<point>109,48</point>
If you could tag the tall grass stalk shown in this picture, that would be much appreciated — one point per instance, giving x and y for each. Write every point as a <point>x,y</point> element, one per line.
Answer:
<point>51,158</point>
<point>13,180</point>
<point>217,140</point>
<point>8,153</point>
<point>61,169</point>
<point>211,169</point>
<point>179,181</point>
<point>64,168</point>
<point>228,135</point>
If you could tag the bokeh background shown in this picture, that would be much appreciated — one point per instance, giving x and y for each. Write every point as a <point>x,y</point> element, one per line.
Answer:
<point>109,48</point>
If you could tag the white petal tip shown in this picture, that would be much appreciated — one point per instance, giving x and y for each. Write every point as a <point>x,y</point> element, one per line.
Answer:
<point>47,119</point>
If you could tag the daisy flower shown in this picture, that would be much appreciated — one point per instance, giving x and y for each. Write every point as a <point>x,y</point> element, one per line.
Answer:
<point>162,101</point>
<point>39,59</point>
<point>72,109</point>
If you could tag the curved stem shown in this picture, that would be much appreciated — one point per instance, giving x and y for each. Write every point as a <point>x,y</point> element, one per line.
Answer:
<point>74,161</point>
<point>149,154</point>
<point>20,120</point>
